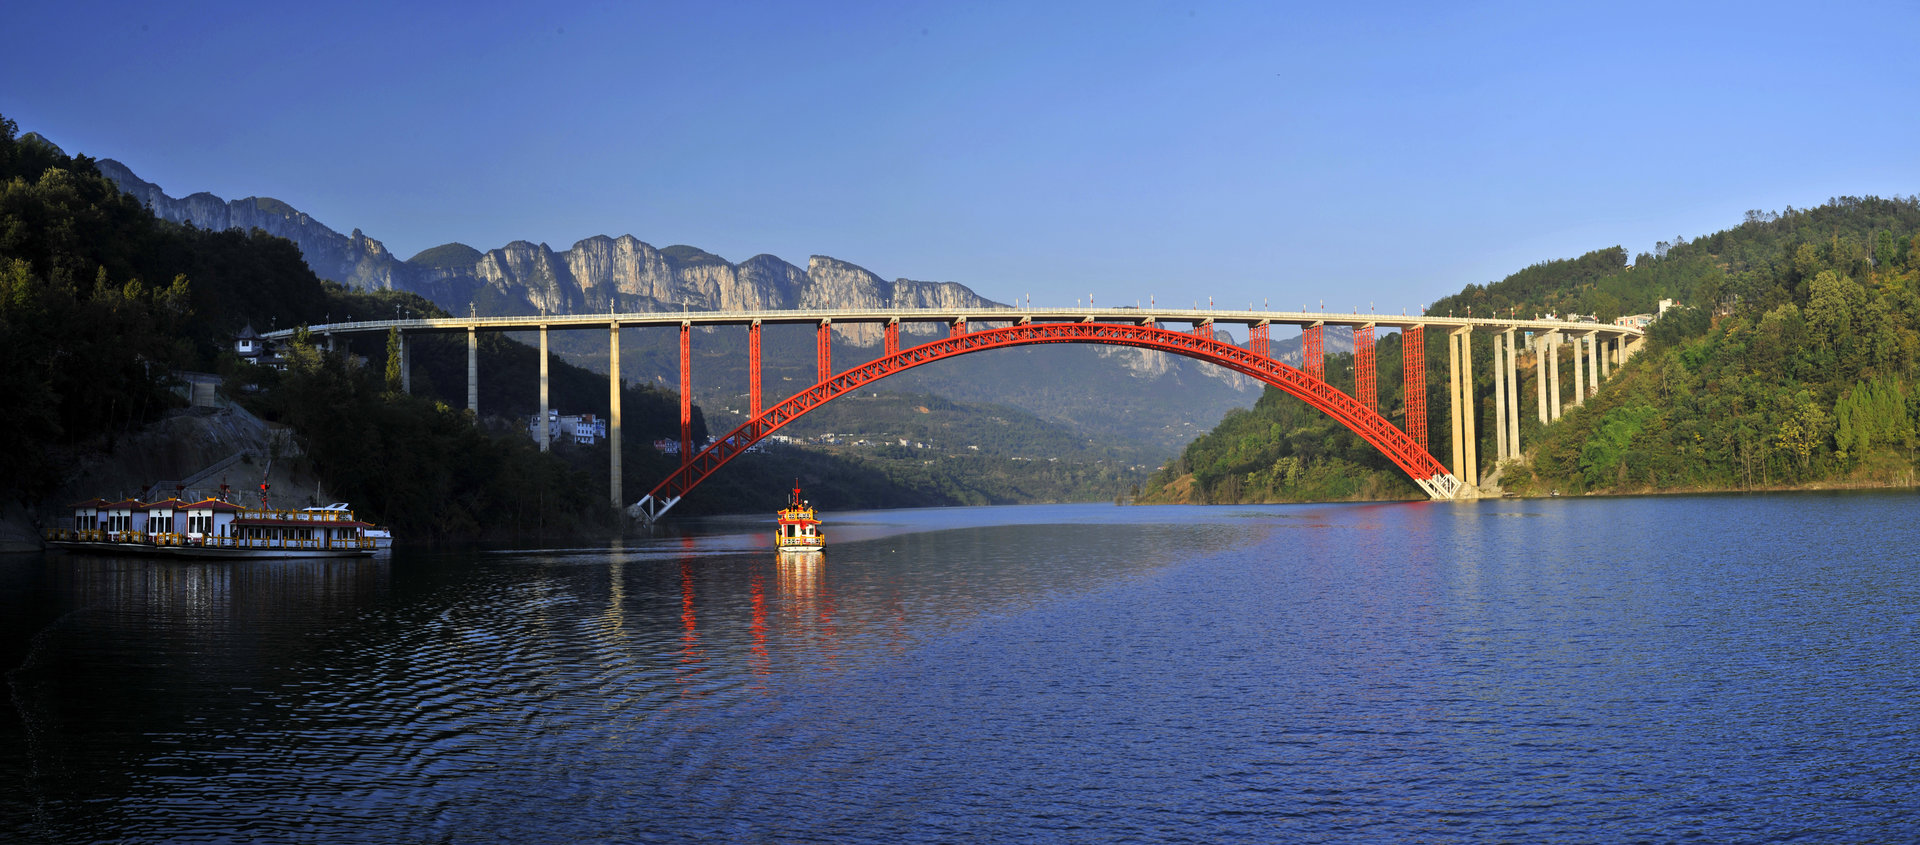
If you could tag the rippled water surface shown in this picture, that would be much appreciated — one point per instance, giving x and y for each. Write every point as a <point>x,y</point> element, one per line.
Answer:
<point>1721,668</point>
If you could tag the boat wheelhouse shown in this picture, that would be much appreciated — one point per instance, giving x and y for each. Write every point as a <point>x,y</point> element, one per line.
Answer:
<point>212,528</point>
<point>797,528</point>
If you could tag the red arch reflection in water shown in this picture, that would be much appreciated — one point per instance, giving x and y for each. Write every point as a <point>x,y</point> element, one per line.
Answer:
<point>690,654</point>
<point>757,662</point>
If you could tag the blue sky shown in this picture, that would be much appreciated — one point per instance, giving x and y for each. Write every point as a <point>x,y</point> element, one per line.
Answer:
<point>1361,154</point>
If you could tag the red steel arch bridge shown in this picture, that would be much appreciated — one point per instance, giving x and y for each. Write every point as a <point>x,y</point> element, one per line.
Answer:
<point>1596,350</point>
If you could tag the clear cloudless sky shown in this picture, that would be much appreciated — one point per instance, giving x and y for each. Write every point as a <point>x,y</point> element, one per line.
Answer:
<point>1364,154</point>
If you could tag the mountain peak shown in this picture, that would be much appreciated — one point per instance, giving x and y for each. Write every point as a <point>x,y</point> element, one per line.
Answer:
<point>449,256</point>
<point>681,256</point>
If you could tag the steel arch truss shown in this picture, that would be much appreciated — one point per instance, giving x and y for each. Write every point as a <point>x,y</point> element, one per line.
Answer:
<point>1390,440</point>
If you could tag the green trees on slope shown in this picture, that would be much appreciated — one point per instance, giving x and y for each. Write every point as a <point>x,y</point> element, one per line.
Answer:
<point>1792,359</point>
<point>1795,366</point>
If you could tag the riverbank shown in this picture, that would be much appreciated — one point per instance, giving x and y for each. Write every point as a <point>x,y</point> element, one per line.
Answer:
<point>199,448</point>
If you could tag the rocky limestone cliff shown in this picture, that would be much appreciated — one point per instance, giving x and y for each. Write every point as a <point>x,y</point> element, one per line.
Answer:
<point>596,275</point>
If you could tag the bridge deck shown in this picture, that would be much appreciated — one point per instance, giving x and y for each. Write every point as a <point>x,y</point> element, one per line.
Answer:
<point>1003,315</point>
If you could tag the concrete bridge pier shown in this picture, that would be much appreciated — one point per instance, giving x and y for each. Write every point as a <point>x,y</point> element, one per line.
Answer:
<point>1460,380</point>
<point>473,370</point>
<point>1500,444</point>
<point>613,415</point>
<point>546,438</point>
<point>1506,396</point>
<point>1579,371</point>
<point>1553,375</point>
<point>1513,396</point>
<point>1539,348</point>
<point>1593,362</point>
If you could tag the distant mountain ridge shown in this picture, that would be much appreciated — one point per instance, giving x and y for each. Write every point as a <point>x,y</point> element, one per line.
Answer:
<point>597,274</point>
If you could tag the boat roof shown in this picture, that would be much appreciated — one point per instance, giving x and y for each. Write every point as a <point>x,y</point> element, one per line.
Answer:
<point>215,505</point>
<point>130,504</point>
<point>167,504</point>
<point>260,521</point>
<point>95,502</point>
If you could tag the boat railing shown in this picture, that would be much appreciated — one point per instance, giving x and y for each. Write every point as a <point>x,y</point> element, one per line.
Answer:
<point>297,516</point>
<point>284,543</point>
<point>179,539</point>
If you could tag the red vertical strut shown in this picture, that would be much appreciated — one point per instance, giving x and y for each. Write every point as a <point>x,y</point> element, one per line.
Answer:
<point>1413,349</point>
<point>893,337</point>
<point>753,368</point>
<point>1312,354</point>
<point>823,351</point>
<point>1363,368</point>
<point>1258,342</point>
<point>1203,328</point>
<point>686,392</point>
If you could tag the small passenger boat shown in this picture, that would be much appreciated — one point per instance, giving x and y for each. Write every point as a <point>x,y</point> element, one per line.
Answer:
<point>798,529</point>
<point>212,528</point>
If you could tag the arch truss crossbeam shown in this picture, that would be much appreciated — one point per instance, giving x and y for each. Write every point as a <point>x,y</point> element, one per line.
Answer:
<point>1421,466</point>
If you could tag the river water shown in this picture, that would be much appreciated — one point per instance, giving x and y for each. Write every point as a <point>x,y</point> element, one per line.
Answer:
<point>1720,668</point>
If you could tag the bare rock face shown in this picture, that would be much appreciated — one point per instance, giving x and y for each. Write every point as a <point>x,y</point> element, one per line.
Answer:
<point>773,283</point>
<point>608,268</point>
<point>596,275</point>
<point>532,273</point>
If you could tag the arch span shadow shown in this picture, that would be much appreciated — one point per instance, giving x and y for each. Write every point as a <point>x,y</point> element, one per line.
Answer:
<point>1416,462</point>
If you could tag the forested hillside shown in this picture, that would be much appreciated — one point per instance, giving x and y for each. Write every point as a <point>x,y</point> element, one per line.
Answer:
<point>101,304</point>
<point>1791,359</point>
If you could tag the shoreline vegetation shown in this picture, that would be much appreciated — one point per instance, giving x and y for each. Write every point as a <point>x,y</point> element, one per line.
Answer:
<point>1789,360</point>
